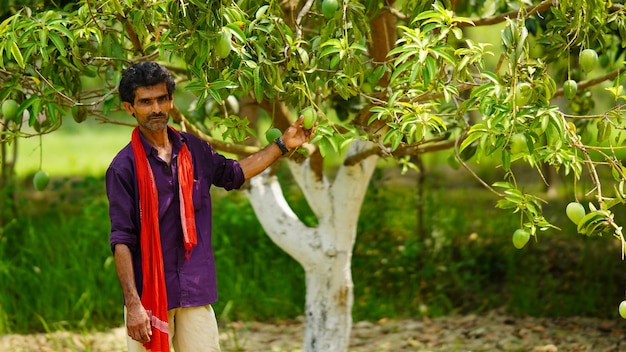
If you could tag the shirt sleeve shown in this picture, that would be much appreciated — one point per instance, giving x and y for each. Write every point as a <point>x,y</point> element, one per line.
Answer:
<point>220,170</point>
<point>123,207</point>
<point>228,172</point>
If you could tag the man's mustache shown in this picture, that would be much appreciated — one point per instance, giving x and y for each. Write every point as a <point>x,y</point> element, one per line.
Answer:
<point>157,115</point>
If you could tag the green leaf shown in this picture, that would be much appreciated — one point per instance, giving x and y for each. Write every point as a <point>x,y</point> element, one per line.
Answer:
<point>58,43</point>
<point>328,51</point>
<point>222,84</point>
<point>604,131</point>
<point>43,37</point>
<point>44,55</point>
<point>443,54</point>
<point>458,33</point>
<point>400,70</point>
<point>502,184</point>
<point>108,104</point>
<point>358,47</point>
<point>17,55</point>
<point>258,84</point>
<point>425,15</point>
<point>471,138</point>
<point>216,95</point>
<point>506,160</point>
<point>406,55</point>
<point>66,32</point>
<point>490,76</point>
<point>196,85</point>
<point>397,50</point>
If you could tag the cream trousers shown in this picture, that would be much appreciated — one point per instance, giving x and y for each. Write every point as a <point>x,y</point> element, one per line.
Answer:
<point>191,329</point>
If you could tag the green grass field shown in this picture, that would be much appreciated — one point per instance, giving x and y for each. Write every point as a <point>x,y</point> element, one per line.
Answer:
<point>85,149</point>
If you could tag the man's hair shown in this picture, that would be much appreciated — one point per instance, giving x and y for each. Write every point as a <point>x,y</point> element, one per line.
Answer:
<point>144,74</point>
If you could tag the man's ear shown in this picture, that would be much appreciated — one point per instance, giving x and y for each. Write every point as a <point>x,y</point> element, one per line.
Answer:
<point>130,109</point>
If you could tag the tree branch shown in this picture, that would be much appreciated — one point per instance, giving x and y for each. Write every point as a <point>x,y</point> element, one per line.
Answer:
<point>303,11</point>
<point>356,158</point>
<point>428,146</point>
<point>237,149</point>
<point>475,22</point>
<point>530,10</point>
<point>280,113</point>
<point>132,35</point>
<point>591,82</point>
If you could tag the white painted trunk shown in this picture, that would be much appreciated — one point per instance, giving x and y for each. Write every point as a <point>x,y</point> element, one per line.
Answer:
<point>325,251</point>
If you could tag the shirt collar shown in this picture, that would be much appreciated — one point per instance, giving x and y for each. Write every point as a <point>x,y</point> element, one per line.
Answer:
<point>175,137</point>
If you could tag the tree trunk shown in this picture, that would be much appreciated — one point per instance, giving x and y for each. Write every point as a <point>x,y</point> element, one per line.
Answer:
<point>329,299</point>
<point>324,251</point>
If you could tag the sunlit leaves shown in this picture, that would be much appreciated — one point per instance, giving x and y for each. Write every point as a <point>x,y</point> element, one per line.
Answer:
<point>474,54</point>
<point>408,122</point>
<point>329,141</point>
<point>15,52</point>
<point>217,89</point>
<point>236,128</point>
<point>425,63</point>
<point>514,37</point>
<point>34,36</point>
<point>528,205</point>
<point>441,19</point>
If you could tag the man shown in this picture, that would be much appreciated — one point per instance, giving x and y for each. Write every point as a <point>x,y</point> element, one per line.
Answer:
<point>160,210</point>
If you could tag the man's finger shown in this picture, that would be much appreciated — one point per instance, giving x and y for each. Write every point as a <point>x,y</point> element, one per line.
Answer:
<point>147,334</point>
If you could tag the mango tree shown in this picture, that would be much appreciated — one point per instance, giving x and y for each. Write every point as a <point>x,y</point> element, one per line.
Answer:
<point>381,79</point>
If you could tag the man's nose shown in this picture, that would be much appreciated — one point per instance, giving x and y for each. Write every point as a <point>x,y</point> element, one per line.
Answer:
<point>155,107</point>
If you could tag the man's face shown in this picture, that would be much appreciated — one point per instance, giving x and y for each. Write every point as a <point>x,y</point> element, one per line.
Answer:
<point>151,107</point>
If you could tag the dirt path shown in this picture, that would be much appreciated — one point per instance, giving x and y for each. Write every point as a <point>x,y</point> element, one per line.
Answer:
<point>490,332</point>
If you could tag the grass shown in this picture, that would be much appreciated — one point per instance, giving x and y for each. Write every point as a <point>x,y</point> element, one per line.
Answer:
<point>85,149</point>
<point>58,269</point>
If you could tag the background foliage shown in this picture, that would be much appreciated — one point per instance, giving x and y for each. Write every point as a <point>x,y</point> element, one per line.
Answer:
<point>56,268</point>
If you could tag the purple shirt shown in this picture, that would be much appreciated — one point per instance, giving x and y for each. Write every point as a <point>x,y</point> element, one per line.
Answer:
<point>189,282</point>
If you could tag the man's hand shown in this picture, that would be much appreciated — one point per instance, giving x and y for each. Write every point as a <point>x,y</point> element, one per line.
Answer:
<point>296,135</point>
<point>293,137</point>
<point>138,323</point>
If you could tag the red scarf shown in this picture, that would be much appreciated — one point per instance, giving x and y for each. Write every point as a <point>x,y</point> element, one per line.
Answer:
<point>154,294</point>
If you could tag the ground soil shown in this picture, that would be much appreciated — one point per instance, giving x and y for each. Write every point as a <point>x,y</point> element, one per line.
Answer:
<point>487,332</point>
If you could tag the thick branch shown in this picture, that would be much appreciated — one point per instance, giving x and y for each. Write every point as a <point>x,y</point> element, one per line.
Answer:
<point>356,158</point>
<point>279,112</point>
<point>317,163</point>
<point>237,149</point>
<point>132,35</point>
<point>425,148</point>
<point>475,22</point>
<point>383,40</point>
<point>412,149</point>
<point>240,150</point>
<point>303,11</point>
<point>530,10</point>
<point>591,82</point>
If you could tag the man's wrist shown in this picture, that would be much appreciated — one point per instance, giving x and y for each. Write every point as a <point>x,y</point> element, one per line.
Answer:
<point>281,145</point>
